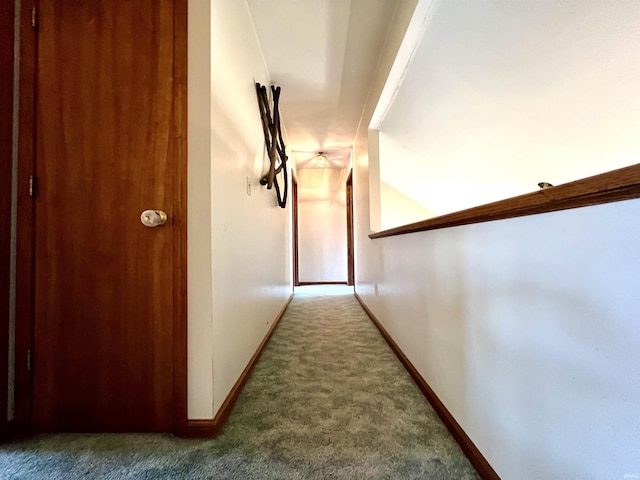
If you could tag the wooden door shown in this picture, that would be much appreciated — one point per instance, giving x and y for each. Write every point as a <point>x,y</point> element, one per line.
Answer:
<point>294,217</point>
<point>104,283</point>
<point>6,133</point>
<point>350,253</point>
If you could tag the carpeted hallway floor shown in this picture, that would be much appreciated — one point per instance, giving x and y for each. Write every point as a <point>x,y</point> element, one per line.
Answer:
<point>327,400</point>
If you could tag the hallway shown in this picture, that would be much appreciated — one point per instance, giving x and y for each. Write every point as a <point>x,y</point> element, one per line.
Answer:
<point>328,399</point>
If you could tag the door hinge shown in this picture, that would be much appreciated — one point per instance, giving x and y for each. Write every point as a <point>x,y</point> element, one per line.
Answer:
<point>28,359</point>
<point>34,18</point>
<point>33,186</point>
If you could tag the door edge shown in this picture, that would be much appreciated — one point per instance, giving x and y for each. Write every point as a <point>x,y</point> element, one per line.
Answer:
<point>180,51</point>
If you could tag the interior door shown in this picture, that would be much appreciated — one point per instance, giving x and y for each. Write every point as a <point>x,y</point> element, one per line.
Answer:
<point>103,295</point>
<point>6,131</point>
<point>294,219</point>
<point>350,250</point>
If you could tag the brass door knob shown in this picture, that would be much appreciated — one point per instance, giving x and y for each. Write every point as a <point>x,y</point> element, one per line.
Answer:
<point>153,218</point>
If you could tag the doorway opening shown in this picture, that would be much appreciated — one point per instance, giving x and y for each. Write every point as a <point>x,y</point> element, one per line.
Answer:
<point>322,210</point>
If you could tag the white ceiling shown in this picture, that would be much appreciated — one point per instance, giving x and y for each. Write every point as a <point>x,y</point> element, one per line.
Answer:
<point>323,53</point>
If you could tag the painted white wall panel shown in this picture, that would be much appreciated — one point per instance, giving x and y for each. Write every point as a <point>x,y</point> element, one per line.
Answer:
<point>199,283</point>
<point>527,331</point>
<point>239,245</point>
<point>250,241</point>
<point>525,328</point>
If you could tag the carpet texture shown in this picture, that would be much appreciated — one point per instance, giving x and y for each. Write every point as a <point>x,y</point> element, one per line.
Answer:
<point>327,400</point>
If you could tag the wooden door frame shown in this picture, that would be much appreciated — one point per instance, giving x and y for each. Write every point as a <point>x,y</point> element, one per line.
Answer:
<point>294,219</point>
<point>350,249</point>
<point>26,216</point>
<point>7,41</point>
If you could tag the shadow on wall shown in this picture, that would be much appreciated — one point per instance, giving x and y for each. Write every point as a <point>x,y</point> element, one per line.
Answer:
<point>397,209</point>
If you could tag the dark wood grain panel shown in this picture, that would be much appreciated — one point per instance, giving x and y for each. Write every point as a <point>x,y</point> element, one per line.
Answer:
<point>6,142</point>
<point>180,217</point>
<point>203,428</point>
<point>613,186</point>
<point>294,213</point>
<point>25,243</point>
<point>350,235</point>
<point>104,289</point>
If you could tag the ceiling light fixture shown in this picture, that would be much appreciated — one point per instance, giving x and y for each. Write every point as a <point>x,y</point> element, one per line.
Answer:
<point>322,160</point>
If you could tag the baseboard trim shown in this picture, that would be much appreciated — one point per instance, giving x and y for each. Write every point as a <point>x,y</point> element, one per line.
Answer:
<point>200,428</point>
<point>211,427</point>
<point>474,455</point>
<point>321,283</point>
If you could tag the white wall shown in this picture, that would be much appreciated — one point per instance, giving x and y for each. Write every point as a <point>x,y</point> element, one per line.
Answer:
<point>502,95</point>
<point>239,245</point>
<point>322,225</point>
<point>199,282</point>
<point>398,209</point>
<point>525,328</point>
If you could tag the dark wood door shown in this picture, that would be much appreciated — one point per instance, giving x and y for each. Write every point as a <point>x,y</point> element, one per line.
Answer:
<point>6,131</point>
<point>103,299</point>
<point>294,217</point>
<point>350,253</point>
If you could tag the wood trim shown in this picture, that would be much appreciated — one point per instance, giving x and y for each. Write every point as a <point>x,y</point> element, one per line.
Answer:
<point>294,214</point>
<point>7,42</point>
<point>350,252</point>
<point>25,228</point>
<point>321,283</point>
<point>613,186</point>
<point>474,455</point>
<point>200,429</point>
<point>212,427</point>
<point>180,218</point>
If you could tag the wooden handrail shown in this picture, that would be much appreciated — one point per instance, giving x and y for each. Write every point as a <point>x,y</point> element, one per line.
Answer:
<point>613,186</point>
